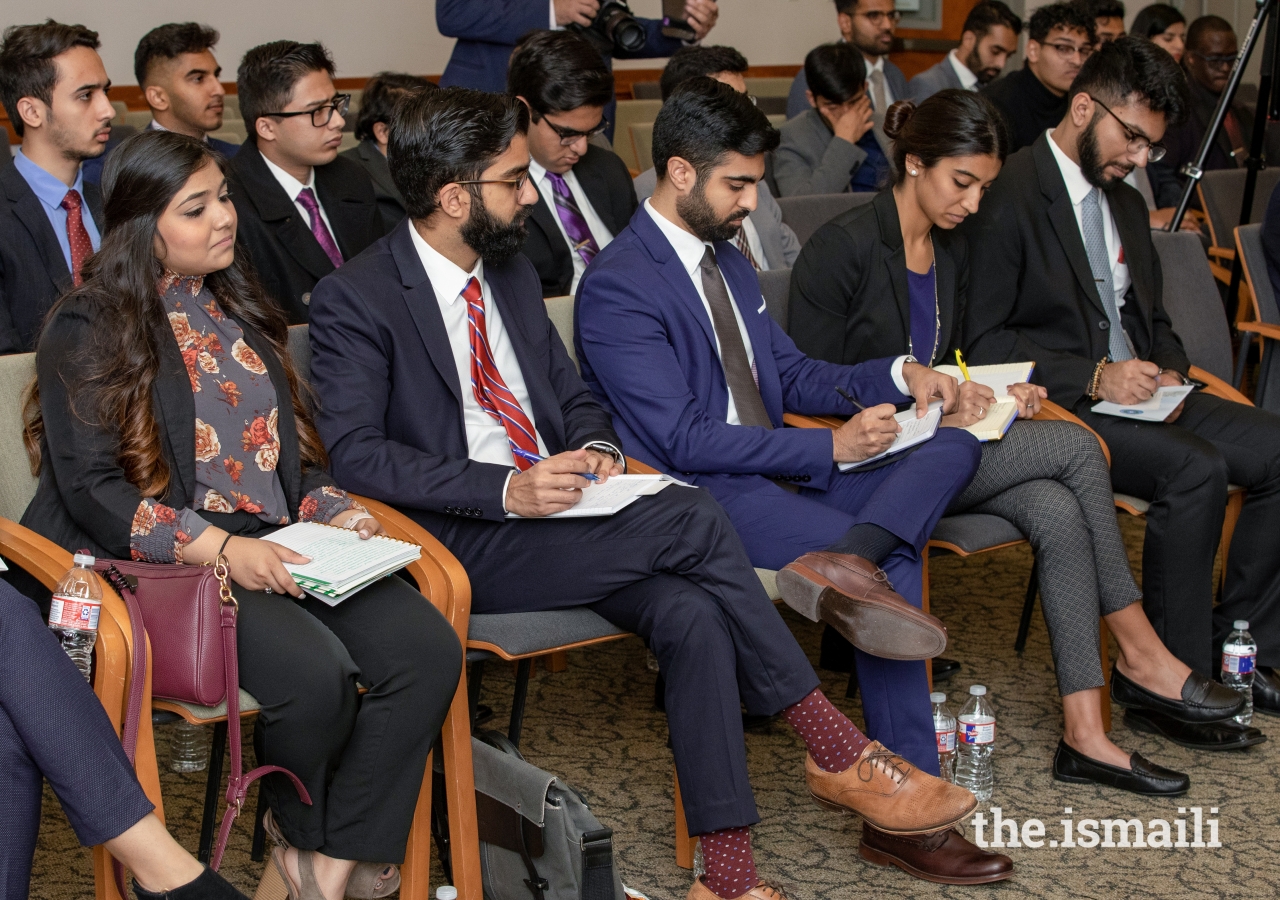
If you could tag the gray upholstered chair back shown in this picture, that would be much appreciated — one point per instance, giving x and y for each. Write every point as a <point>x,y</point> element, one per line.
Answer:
<point>17,484</point>
<point>560,312</point>
<point>300,350</point>
<point>1192,300</point>
<point>775,284</point>
<point>1255,260</point>
<point>1223,191</point>
<point>807,214</point>
<point>642,140</point>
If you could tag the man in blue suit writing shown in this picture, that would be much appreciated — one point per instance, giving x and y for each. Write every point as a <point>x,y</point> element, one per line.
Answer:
<point>675,341</point>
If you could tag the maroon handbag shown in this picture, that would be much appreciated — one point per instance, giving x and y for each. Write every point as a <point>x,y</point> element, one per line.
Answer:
<point>190,615</point>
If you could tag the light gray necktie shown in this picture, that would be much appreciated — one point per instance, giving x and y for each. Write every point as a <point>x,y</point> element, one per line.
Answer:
<point>1095,244</point>
<point>879,104</point>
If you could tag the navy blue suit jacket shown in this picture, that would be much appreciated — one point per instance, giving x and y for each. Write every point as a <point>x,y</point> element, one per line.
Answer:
<point>390,403</point>
<point>648,351</point>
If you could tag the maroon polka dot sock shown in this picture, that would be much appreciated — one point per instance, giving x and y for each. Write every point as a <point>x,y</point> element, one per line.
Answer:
<point>731,869</point>
<point>833,741</point>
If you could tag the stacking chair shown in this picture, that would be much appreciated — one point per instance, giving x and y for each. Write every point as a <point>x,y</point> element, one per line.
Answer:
<point>1266,319</point>
<point>1221,194</point>
<point>642,144</point>
<point>646,90</point>
<point>629,113</point>
<point>807,213</point>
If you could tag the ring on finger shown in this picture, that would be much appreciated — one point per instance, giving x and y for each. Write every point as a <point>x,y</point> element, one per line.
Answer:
<point>267,590</point>
<point>982,412</point>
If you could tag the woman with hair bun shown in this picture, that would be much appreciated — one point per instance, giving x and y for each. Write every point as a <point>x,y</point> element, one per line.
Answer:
<point>891,278</point>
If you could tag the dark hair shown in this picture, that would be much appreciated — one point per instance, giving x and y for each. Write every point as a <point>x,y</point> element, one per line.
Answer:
<point>705,119</point>
<point>948,124</point>
<point>1204,26</point>
<point>1102,9</point>
<point>1156,19</point>
<point>987,15</point>
<point>694,60</point>
<point>381,93</point>
<point>846,6</point>
<point>268,73</point>
<point>113,381</point>
<point>559,71</point>
<point>452,134</point>
<point>1129,66</point>
<point>1060,15</point>
<point>169,42</point>
<point>835,72</point>
<point>27,68</point>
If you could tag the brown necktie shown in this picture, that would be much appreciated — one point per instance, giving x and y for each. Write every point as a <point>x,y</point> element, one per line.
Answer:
<point>733,352</point>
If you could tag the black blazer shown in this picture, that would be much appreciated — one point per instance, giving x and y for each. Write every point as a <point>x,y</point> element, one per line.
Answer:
<point>33,271</point>
<point>287,256</point>
<point>390,400</point>
<point>390,202</point>
<point>607,183</point>
<point>83,499</point>
<point>849,297</point>
<point>1032,291</point>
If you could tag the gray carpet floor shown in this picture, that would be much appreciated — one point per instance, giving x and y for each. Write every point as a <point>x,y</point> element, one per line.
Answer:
<point>594,726</point>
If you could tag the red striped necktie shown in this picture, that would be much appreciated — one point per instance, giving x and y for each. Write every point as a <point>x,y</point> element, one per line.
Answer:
<point>491,391</point>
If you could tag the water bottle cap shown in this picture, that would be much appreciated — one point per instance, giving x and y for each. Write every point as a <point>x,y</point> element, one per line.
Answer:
<point>1240,625</point>
<point>977,690</point>
<point>83,559</point>
<point>446,892</point>
<point>937,697</point>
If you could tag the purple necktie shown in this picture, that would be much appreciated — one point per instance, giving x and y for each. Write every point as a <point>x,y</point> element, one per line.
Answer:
<point>572,219</point>
<point>321,231</point>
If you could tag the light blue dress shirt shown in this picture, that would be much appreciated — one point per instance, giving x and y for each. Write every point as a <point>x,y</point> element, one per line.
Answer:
<point>50,190</point>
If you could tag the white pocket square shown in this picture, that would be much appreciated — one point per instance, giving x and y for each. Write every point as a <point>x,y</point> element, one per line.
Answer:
<point>763,304</point>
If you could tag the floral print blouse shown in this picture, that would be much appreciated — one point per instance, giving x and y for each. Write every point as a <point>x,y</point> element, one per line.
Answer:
<point>237,441</point>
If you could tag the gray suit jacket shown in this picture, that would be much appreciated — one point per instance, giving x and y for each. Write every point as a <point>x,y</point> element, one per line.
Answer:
<point>797,102</point>
<point>780,244</point>
<point>390,202</point>
<point>933,79</point>
<point>811,160</point>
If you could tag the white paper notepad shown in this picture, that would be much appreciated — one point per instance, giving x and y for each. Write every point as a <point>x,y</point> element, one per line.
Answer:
<point>914,431</point>
<point>1002,414</point>
<point>341,563</point>
<point>618,492</point>
<point>1157,409</point>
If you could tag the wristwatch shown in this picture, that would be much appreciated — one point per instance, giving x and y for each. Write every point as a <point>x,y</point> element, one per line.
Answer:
<point>609,450</point>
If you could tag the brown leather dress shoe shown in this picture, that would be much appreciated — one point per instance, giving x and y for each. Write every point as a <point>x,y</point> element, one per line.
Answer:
<point>889,793</point>
<point>761,891</point>
<point>944,857</point>
<point>854,596</point>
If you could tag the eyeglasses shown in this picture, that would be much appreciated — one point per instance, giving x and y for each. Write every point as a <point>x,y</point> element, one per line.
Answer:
<point>1137,142</point>
<point>1067,50</point>
<point>568,135</point>
<point>1216,61</point>
<point>321,115</point>
<point>878,17</point>
<point>518,182</point>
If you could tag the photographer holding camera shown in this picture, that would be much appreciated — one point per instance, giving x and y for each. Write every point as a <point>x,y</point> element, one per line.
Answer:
<point>487,32</point>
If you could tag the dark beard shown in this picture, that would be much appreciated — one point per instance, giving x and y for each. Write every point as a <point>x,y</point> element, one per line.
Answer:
<point>974,64</point>
<point>702,220</point>
<point>496,241</point>
<point>1091,166</point>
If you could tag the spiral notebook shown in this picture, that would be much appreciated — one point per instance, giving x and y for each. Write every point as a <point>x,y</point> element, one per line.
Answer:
<point>341,563</point>
<point>1002,414</point>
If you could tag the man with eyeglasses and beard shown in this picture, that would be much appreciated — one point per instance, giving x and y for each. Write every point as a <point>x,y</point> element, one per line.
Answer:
<point>303,209</point>
<point>1060,38</point>
<point>1063,272</point>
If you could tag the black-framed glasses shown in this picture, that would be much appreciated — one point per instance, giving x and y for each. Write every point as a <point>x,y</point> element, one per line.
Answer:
<point>518,182</point>
<point>1066,49</point>
<point>321,115</point>
<point>1216,60</point>
<point>1137,141</point>
<point>879,17</point>
<point>568,135</point>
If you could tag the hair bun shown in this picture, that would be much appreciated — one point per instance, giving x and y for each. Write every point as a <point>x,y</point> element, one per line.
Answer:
<point>897,117</point>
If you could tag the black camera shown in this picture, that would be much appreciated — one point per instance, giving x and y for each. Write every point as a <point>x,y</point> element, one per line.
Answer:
<point>614,29</point>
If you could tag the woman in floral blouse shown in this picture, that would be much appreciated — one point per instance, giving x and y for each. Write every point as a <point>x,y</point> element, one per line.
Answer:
<point>169,426</point>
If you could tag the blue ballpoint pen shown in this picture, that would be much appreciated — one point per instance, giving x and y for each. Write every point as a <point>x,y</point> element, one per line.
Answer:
<point>535,458</point>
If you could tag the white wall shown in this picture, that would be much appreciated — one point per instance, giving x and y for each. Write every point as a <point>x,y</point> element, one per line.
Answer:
<point>371,35</point>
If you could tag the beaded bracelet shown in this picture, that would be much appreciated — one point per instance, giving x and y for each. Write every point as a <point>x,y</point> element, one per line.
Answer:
<point>1096,380</point>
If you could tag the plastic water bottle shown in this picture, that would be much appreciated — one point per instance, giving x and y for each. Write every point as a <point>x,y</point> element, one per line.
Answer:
<point>73,614</point>
<point>446,892</point>
<point>975,740</point>
<point>1239,654</point>
<point>188,748</point>
<point>699,862</point>
<point>944,728</point>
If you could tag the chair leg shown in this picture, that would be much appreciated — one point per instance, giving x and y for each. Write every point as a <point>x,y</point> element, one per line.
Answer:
<point>212,789</point>
<point>1028,607</point>
<point>517,702</point>
<point>1106,674</point>
<point>556,662</point>
<point>1235,505</point>
<point>415,871</point>
<point>259,847</point>
<point>460,794</point>
<point>473,690</point>
<point>684,843</point>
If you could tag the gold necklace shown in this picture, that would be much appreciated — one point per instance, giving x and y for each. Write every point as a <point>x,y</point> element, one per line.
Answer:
<point>937,311</point>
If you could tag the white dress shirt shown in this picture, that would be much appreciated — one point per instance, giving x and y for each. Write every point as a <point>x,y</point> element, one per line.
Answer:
<point>888,92</point>
<point>690,249</point>
<point>293,187</point>
<point>968,80</point>
<point>1078,187</point>
<point>598,230</point>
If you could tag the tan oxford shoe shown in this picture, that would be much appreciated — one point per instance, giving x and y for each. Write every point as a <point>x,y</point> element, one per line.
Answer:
<point>761,891</point>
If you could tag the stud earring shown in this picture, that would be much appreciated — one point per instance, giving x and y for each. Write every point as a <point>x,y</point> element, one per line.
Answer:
<point>913,171</point>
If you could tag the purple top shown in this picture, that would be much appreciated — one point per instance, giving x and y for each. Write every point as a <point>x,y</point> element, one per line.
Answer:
<point>924,315</point>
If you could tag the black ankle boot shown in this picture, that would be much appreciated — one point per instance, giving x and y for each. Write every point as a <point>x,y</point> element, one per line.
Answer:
<point>209,886</point>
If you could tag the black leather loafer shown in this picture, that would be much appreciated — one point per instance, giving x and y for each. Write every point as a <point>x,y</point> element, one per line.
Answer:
<point>1203,700</point>
<point>1266,691</point>
<point>1228,735</point>
<point>1142,777</point>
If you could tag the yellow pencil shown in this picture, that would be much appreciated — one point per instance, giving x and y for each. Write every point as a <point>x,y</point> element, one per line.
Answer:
<point>964,370</point>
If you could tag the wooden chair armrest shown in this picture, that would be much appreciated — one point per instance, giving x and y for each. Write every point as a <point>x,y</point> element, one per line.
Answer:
<point>1266,329</point>
<point>635,467</point>
<point>1217,387</point>
<point>795,420</point>
<point>1224,253</point>
<point>1052,412</point>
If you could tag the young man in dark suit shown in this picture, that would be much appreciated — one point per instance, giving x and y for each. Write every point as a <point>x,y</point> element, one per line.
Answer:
<point>1063,272</point>
<point>585,192</point>
<point>675,341</point>
<point>445,390</point>
<point>989,38</point>
<point>54,88</point>
<point>303,209</point>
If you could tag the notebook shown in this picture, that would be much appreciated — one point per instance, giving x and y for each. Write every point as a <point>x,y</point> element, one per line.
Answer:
<point>1004,412</point>
<point>619,492</point>
<point>1157,409</point>
<point>914,431</point>
<point>341,563</point>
